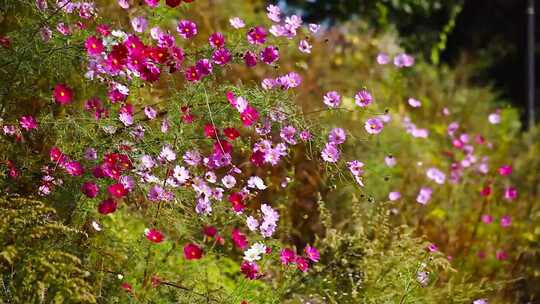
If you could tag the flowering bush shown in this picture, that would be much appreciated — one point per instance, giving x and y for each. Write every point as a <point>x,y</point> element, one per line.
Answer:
<point>196,163</point>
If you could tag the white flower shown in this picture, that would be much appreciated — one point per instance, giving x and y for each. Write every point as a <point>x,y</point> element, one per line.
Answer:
<point>256,182</point>
<point>254,253</point>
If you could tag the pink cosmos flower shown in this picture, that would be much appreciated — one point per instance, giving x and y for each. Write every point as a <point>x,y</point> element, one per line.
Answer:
<point>495,118</point>
<point>269,55</point>
<point>139,24</point>
<point>237,22</point>
<point>152,3</point>
<point>287,256</point>
<point>506,221</point>
<point>187,29</point>
<point>192,252</point>
<point>192,74</point>
<point>480,301</point>
<point>403,61</point>
<point>249,116</point>
<point>90,189</point>
<point>487,219</point>
<point>394,196</point>
<point>107,206</point>
<point>250,59</point>
<point>330,153</point>
<point>363,98</point>
<point>62,94</point>
<point>250,270</point>
<point>239,239</point>
<point>302,264</point>
<point>432,247</point>
<point>501,255</point>
<point>274,13</point>
<point>117,190</point>
<point>222,56</point>
<point>153,235</point>
<point>305,135</point>
<point>424,196</point>
<point>312,253</point>
<point>373,126</point>
<point>314,28</point>
<point>383,58</point>
<point>216,40</point>
<point>74,168</point>
<point>204,67</point>
<point>94,46</point>
<point>505,170</point>
<point>123,4</point>
<point>28,122</point>
<point>415,103</point>
<point>332,99</point>
<point>390,161</point>
<point>304,46</point>
<point>510,193</point>
<point>337,136</point>
<point>150,112</point>
<point>287,134</point>
<point>256,35</point>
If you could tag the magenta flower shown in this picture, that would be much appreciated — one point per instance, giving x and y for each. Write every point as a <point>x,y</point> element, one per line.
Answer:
<point>506,221</point>
<point>28,122</point>
<point>363,98</point>
<point>117,190</point>
<point>192,74</point>
<point>187,29</point>
<point>153,235</point>
<point>94,46</point>
<point>74,168</point>
<point>250,59</point>
<point>487,219</point>
<point>287,134</point>
<point>256,35</point>
<point>192,252</point>
<point>249,116</point>
<point>239,239</point>
<point>216,40</point>
<point>302,264</point>
<point>250,270</point>
<point>374,126</point>
<point>415,103</point>
<point>269,55</point>
<point>510,193</point>
<point>505,170</point>
<point>312,253</point>
<point>287,256</point>
<point>204,67</point>
<point>501,255</point>
<point>332,99</point>
<point>90,189</point>
<point>305,135</point>
<point>432,247</point>
<point>222,56</point>
<point>62,94</point>
<point>152,3</point>
<point>107,206</point>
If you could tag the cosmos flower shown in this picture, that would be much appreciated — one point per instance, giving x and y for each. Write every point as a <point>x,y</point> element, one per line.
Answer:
<point>192,252</point>
<point>153,235</point>
<point>304,46</point>
<point>236,22</point>
<point>62,94</point>
<point>363,98</point>
<point>312,253</point>
<point>332,99</point>
<point>269,54</point>
<point>256,35</point>
<point>424,196</point>
<point>94,46</point>
<point>187,29</point>
<point>374,126</point>
<point>28,122</point>
<point>216,40</point>
<point>287,256</point>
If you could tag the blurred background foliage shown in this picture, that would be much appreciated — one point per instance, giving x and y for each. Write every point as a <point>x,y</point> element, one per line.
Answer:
<point>361,236</point>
